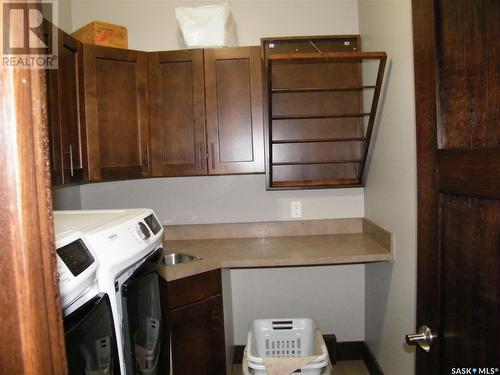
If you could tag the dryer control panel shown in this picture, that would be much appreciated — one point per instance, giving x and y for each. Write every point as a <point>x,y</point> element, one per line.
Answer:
<point>76,266</point>
<point>76,256</point>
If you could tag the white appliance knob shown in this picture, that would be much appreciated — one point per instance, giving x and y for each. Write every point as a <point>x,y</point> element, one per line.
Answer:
<point>142,231</point>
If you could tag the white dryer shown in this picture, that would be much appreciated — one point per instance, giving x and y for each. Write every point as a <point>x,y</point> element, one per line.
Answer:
<point>128,246</point>
<point>91,346</point>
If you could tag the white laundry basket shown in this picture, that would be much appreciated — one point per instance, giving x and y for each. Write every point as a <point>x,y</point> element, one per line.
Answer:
<point>285,338</point>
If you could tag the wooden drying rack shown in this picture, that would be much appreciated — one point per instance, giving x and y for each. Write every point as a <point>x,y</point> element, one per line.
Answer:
<point>351,150</point>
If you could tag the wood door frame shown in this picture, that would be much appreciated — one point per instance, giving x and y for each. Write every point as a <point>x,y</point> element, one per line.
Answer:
<point>426,83</point>
<point>31,330</point>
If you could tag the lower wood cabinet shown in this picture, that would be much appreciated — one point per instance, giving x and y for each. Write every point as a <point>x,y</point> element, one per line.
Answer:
<point>197,325</point>
<point>197,333</point>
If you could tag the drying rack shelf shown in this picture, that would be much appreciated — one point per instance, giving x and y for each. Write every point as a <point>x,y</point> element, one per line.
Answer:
<point>319,115</point>
<point>319,89</point>
<point>326,183</point>
<point>319,119</point>
<point>318,140</point>
<point>317,162</point>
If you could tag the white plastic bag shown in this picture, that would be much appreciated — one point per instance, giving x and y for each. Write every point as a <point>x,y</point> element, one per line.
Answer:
<point>207,26</point>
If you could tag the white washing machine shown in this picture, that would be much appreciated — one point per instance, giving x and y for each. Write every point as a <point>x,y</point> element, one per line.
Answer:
<point>128,246</point>
<point>91,346</point>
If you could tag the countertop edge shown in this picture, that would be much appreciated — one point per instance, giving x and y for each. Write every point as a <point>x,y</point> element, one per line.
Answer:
<point>213,261</point>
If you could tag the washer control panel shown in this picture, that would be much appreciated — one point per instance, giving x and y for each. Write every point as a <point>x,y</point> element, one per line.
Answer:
<point>142,230</point>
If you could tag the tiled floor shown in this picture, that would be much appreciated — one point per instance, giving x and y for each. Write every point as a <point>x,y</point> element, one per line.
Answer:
<point>341,368</point>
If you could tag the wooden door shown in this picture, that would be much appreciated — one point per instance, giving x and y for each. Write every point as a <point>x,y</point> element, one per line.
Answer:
<point>117,113</point>
<point>30,311</point>
<point>66,114</point>
<point>233,87</point>
<point>197,333</point>
<point>177,100</point>
<point>457,65</point>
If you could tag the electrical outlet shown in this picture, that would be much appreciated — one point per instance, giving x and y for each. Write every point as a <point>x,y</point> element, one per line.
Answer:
<point>296,209</point>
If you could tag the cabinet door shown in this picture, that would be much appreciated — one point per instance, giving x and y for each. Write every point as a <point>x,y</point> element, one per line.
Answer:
<point>116,102</point>
<point>233,86</point>
<point>69,164</point>
<point>177,101</point>
<point>197,333</point>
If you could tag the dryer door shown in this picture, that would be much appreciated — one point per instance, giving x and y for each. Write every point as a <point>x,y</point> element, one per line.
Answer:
<point>145,327</point>
<point>90,339</point>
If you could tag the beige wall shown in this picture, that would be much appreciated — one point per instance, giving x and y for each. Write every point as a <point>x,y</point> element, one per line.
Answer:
<point>257,293</point>
<point>331,295</point>
<point>390,193</point>
<point>65,15</point>
<point>67,198</point>
<point>152,25</point>
<point>220,199</point>
<point>284,292</point>
<point>278,292</point>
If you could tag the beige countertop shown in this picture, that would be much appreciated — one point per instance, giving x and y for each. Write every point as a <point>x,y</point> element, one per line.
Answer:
<point>363,243</point>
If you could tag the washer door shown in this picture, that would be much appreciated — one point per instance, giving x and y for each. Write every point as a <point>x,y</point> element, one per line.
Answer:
<point>90,339</point>
<point>144,320</point>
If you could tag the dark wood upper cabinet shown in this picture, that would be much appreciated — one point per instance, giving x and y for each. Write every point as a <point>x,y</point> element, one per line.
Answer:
<point>67,120</point>
<point>233,87</point>
<point>177,108</point>
<point>117,113</point>
<point>206,111</point>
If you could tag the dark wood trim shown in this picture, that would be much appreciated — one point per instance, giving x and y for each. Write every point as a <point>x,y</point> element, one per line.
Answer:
<point>428,259</point>
<point>328,56</point>
<point>357,350</point>
<point>314,37</point>
<point>31,328</point>
<point>370,361</point>
<point>238,354</point>
<point>349,350</point>
<point>373,112</point>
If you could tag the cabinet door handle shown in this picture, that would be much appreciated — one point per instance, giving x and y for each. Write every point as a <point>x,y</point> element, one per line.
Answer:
<point>212,152</point>
<point>200,163</point>
<point>147,158</point>
<point>71,169</point>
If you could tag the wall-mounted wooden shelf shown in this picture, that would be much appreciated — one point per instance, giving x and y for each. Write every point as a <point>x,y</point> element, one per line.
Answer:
<point>307,89</point>
<point>319,140</point>
<point>325,115</point>
<point>319,118</point>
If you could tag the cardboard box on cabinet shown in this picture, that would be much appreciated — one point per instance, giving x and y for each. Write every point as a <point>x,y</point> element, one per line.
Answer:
<point>103,34</point>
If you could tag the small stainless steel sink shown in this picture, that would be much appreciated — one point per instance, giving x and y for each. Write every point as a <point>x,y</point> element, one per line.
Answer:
<point>178,258</point>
